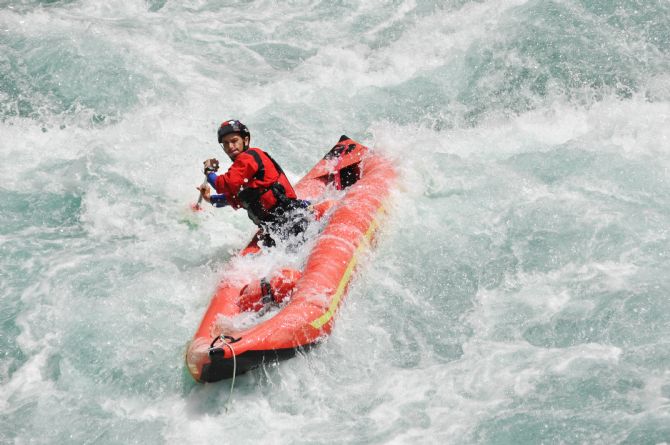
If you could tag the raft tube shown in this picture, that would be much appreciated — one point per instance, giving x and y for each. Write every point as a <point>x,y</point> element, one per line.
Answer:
<point>319,288</point>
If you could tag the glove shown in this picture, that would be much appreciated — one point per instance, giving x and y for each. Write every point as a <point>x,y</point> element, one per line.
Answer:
<point>211,165</point>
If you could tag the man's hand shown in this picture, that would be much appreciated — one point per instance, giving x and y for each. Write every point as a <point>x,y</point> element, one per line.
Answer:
<point>204,192</point>
<point>211,165</point>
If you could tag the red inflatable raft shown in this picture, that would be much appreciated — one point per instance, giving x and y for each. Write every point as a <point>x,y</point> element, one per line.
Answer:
<point>309,298</point>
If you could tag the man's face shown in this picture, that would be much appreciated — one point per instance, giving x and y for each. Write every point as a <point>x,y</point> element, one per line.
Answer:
<point>233,144</point>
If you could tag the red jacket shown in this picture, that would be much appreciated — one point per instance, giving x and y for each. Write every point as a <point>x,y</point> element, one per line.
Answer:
<point>253,168</point>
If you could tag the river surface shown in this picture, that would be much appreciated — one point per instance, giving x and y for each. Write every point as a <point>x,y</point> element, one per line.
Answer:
<point>519,290</point>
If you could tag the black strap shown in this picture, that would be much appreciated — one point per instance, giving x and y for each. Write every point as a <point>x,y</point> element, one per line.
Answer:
<point>260,173</point>
<point>279,170</point>
<point>266,291</point>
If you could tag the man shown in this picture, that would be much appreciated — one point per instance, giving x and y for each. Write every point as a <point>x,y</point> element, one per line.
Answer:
<point>256,183</point>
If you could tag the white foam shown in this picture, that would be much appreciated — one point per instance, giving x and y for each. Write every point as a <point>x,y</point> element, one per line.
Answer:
<point>27,383</point>
<point>138,175</point>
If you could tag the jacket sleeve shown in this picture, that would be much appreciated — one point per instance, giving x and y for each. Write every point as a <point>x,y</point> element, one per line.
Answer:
<point>242,171</point>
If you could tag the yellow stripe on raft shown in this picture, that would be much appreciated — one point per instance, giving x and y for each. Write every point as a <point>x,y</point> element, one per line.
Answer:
<point>325,318</point>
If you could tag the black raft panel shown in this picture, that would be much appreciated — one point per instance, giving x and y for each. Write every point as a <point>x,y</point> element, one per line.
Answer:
<point>222,368</point>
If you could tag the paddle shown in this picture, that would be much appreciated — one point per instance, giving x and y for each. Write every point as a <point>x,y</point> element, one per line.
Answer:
<point>197,207</point>
<point>211,165</point>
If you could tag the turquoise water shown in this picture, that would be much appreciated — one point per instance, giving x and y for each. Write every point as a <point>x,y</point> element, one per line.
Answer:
<point>519,289</point>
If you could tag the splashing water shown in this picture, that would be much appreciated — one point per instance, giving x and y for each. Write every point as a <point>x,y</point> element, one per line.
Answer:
<point>518,292</point>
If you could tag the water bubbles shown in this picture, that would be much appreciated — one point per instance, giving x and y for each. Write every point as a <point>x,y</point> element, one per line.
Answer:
<point>519,290</point>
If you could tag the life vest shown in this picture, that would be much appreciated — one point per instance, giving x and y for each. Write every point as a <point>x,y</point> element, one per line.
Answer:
<point>267,190</point>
